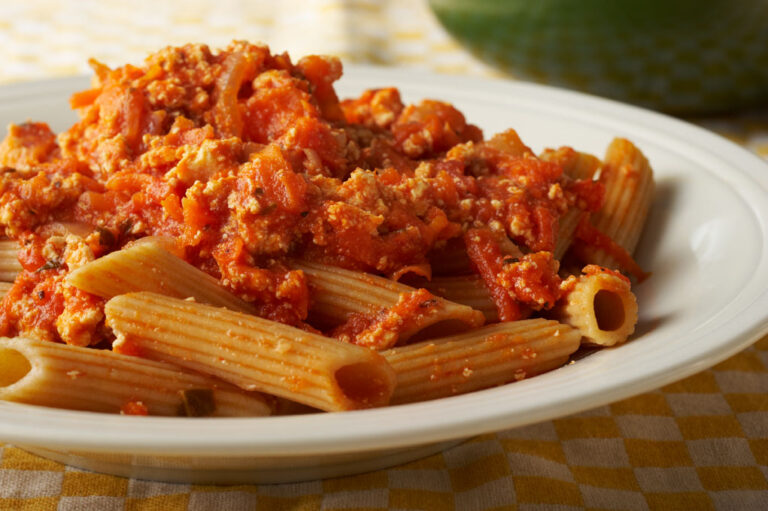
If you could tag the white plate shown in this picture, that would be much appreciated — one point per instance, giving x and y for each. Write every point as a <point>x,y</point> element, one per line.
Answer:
<point>707,299</point>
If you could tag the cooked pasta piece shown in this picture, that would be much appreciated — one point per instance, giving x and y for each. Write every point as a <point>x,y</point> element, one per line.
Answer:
<point>337,293</point>
<point>148,266</point>
<point>628,181</point>
<point>9,260</point>
<point>575,164</point>
<point>465,289</point>
<point>63,376</point>
<point>601,306</point>
<point>582,166</point>
<point>566,229</point>
<point>251,352</point>
<point>486,357</point>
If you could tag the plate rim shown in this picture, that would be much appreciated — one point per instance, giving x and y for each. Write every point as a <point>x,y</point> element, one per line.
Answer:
<point>64,429</point>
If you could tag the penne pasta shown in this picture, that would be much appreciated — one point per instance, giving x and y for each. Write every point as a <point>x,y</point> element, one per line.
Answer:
<point>566,229</point>
<point>4,287</point>
<point>9,260</point>
<point>251,352</point>
<point>147,266</point>
<point>465,289</point>
<point>582,166</point>
<point>486,357</point>
<point>601,306</point>
<point>575,164</point>
<point>338,293</point>
<point>52,374</point>
<point>628,181</point>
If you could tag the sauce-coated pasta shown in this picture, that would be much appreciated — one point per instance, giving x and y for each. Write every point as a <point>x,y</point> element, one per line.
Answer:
<point>247,166</point>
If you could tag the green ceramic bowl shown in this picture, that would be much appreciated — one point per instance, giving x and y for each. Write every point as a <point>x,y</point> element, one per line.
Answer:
<point>682,56</point>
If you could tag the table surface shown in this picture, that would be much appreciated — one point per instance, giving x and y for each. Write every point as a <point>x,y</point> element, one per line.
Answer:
<point>701,443</point>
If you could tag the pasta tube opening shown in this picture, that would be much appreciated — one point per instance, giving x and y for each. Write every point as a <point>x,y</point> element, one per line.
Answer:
<point>601,306</point>
<point>14,366</point>
<point>365,384</point>
<point>609,310</point>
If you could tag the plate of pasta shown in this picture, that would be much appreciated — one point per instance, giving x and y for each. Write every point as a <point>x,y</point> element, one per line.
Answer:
<point>205,252</point>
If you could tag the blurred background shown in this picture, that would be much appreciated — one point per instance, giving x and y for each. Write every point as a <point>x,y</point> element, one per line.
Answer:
<point>41,38</point>
<point>704,60</point>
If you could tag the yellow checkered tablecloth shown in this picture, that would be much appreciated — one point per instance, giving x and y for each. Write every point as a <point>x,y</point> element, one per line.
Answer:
<point>701,443</point>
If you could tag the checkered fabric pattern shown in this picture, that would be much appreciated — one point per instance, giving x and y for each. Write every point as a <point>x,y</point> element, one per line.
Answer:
<point>701,443</point>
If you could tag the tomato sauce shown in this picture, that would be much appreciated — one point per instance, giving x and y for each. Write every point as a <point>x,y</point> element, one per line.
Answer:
<point>246,159</point>
<point>588,235</point>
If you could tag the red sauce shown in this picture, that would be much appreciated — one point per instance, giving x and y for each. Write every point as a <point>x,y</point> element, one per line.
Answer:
<point>486,256</point>
<point>32,304</point>
<point>134,408</point>
<point>382,329</point>
<point>128,347</point>
<point>587,234</point>
<point>246,159</point>
<point>532,280</point>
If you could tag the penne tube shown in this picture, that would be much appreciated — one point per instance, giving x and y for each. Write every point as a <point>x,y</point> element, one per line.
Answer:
<point>566,229</point>
<point>575,164</point>
<point>482,358</point>
<point>465,289</point>
<point>582,166</point>
<point>251,352</point>
<point>147,266</point>
<point>338,293</point>
<point>4,288</point>
<point>63,376</point>
<point>9,260</point>
<point>601,306</point>
<point>628,181</point>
